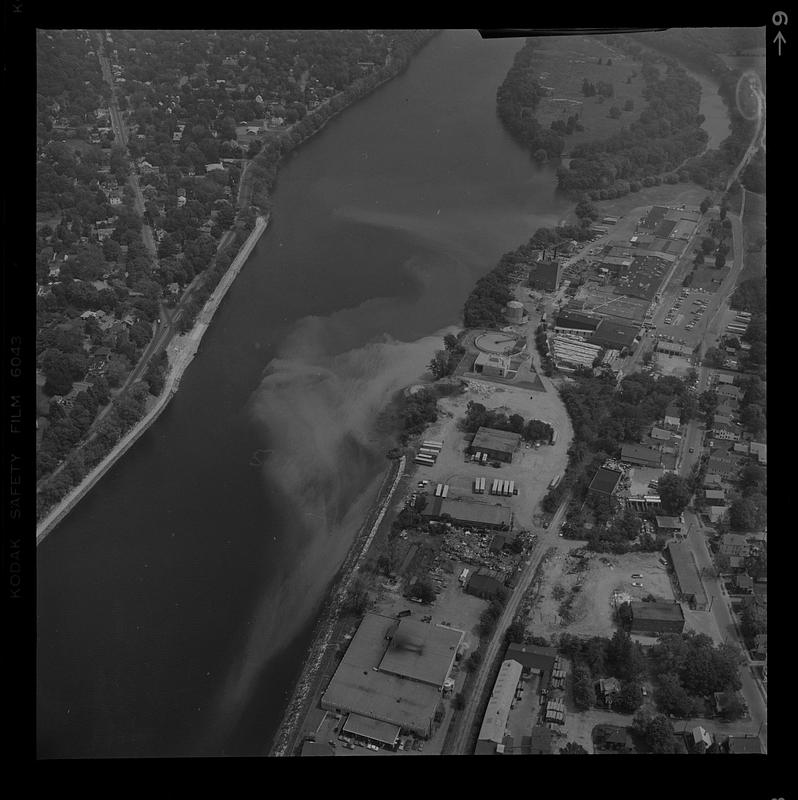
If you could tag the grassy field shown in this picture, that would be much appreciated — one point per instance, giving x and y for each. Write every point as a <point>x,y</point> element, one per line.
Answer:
<point>562,63</point>
<point>753,228</point>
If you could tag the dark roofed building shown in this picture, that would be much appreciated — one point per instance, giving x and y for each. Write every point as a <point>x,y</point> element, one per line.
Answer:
<point>614,335</point>
<point>499,445</point>
<point>640,456</point>
<point>605,481</point>
<point>464,511</point>
<point>485,584</point>
<point>657,618</point>
<point>545,275</point>
<point>569,321</point>
<point>534,659</point>
<point>687,577</point>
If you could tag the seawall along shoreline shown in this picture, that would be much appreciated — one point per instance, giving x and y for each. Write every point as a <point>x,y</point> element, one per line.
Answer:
<point>183,352</point>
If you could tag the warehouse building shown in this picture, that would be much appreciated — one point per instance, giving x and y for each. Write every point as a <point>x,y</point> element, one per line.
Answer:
<point>393,672</point>
<point>657,618</point>
<point>674,349</point>
<point>687,577</point>
<point>502,699</point>
<point>470,513</point>
<point>615,335</point>
<point>570,352</point>
<point>499,445</point>
<point>536,660</point>
<point>576,323</point>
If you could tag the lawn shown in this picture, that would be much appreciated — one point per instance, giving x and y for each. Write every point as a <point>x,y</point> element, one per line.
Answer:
<point>562,63</point>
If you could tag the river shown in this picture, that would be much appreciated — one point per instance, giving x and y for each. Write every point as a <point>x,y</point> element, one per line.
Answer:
<point>175,603</point>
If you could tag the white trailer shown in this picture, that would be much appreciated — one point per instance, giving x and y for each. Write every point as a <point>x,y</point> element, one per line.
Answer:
<point>445,490</point>
<point>484,458</point>
<point>464,576</point>
<point>424,461</point>
<point>438,490</point>
<point>429,453</point>
<point>495,488</point>
<point>512,488</point>
<point>476,457</point>
<point>432,443</point>
<point>506,491</point>
<point>482,485</point>
<point>476,485</point>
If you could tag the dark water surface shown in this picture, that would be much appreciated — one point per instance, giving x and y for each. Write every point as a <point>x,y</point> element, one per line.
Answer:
<point>175,603</point>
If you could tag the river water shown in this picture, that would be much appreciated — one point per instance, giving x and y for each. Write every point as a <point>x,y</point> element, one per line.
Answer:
<point>176,602</point>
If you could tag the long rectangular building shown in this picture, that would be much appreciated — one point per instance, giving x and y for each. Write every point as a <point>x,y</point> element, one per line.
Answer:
<point>467,511</point>
<point>657,618</point>
<point>494,723</point>
<point>687,576</point>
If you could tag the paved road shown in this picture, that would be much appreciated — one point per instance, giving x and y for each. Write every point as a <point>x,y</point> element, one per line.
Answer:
<point>546,539</point>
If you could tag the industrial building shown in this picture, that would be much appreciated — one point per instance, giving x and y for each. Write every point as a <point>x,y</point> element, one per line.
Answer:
<point>657,618</point>
<point>570,352</point>
<point>492,365</point>
<point>473,513</point>
<point>576,323</point>
<point>502,698</point>
<point>614,335</point>
<point>687,577</point>
<point>371,731</point>
<point>499,445</point>
<point>641,456</point>
<point>545,275</point>
<point>393,672</point>
<point>535,660</point>
<point>669,525</point>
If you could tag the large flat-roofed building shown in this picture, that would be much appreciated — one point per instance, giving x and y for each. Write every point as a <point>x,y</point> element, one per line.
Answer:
<point>486,584</point>
<point>570,352</point>
<point>499,445</point>
<point>464,511</point>
<point>372,730</point>
<point>421,652</point>
<point>402,694</point>
<point>494,723</point>
<point>545,275</point>
<point>687,577</point>
<point>614,335</point>
<point>576,323</point>
<point>641,456</point>
<point>656,618</point>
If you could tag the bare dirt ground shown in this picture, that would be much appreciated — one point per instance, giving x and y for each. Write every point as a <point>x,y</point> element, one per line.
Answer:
<point>532,469</point>
<point>592,612</point>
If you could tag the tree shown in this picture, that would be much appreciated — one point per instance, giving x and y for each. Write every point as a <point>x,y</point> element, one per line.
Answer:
<point>629,105</point>
<point>439,365</point>
<point>707,245</point>
<point>423,590</point>
<point>674,492</point>
<point>708,403</point>
<point>474,661</point>
<point>583,692</point>
<point>629,699</point>
<point>660,735</point>
<point>671,697</point>
<point>706,203</point>
<point>615,112</point>
<point>734,708</point>
<point>515,632</point>
<point>573,748</point>
<point>720,261</point>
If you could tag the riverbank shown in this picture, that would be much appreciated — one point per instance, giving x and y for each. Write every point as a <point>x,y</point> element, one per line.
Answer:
<point>325,642</point>
<point>183,349</point>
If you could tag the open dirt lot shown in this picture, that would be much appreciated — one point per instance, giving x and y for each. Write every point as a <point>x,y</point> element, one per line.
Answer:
<point>592,613</point>
<point>532,469</point>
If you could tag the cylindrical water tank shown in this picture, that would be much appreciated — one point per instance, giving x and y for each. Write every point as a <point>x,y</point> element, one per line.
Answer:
<point>515,311</point>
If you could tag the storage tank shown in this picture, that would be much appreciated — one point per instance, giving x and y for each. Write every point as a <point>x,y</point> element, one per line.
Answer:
<point>514,311</point>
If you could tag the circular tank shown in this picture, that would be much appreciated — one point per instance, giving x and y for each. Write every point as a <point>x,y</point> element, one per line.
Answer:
<point>515,311</point>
